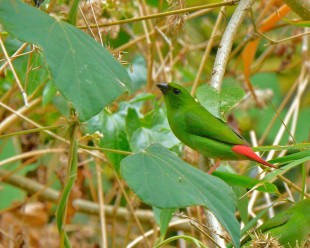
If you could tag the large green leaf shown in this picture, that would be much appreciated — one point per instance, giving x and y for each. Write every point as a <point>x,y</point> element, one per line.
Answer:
<point>82,70</point>
<point>163,180</point>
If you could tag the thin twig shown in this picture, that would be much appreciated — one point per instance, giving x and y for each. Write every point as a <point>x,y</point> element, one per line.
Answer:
<point>90,148</point>
<point>131,209</point>
<point>7,123</point>
<point>28,131</point>
<point>194,224</point>
<point>101,207</point>
<point>162,28</point>
<point>275,42</point>
<point>208,50</point>
<point>95,18</point>
<point>20,113</point>
<point>167,13</point>
<point>86,22</point>
<point>14,56</point>
<point>30,154</point>
<point>149,49</point>
<point>291,184</point>
<point>24,95</point>
<point>163,61</point>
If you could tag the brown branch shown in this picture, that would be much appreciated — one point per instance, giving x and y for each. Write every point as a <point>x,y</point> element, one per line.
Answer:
<point>225,46</point>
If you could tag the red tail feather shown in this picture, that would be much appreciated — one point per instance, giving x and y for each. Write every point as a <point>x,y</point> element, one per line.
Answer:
<point>248,152</point>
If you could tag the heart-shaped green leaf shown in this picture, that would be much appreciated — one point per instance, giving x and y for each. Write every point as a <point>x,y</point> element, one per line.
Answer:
<point>82,70</point>
<point>219,103</point>
<point>163,180</point>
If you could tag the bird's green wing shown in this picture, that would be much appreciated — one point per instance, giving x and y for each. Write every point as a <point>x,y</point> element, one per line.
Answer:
<point>276,221</point>
<point>200,122</point>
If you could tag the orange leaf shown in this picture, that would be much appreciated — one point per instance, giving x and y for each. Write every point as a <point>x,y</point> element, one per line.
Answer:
<point>271,20</point>
<point>248,53</point>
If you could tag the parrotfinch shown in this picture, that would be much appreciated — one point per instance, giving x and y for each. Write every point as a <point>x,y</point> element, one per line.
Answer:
<point>197,128</point>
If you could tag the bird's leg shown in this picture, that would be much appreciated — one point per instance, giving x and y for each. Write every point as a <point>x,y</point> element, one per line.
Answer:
<point>217,163</point>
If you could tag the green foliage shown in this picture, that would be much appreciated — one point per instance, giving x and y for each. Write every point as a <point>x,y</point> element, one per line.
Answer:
<point>138,72</point>
<point>129,129</point>
<point>162,218</point>
<point>112,126</point>
<point>11,194</point>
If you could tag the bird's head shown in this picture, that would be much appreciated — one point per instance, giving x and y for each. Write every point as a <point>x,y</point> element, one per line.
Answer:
<point>175,95</point>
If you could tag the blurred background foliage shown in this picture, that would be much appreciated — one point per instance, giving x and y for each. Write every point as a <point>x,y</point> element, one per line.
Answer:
<point>164,49</point>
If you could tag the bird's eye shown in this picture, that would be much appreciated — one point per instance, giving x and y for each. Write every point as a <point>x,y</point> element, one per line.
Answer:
<point>176,91</point>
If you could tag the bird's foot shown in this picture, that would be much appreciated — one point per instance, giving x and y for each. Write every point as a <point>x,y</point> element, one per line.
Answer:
<point>214,167</point>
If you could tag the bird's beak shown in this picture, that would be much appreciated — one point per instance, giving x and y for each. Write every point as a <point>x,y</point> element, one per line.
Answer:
<point>164,87</point>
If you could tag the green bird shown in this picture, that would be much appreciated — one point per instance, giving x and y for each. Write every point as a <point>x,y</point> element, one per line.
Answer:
<point>197,128</point>
<point>291,227</point>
